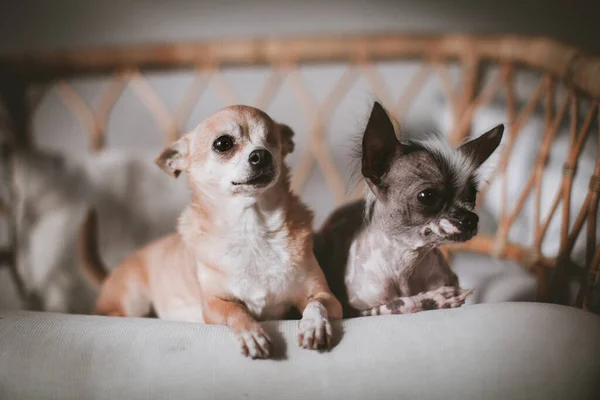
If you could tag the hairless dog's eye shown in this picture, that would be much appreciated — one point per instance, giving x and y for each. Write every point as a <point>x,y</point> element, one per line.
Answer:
<point>429,197</point>
<point>223,143</point>
<point>471,194</point>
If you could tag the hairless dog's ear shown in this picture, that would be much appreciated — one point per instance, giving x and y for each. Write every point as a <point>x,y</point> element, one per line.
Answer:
<point>175,158</point>
<point>482,147</point>
<point>287,141</point>
<point>379,145</point>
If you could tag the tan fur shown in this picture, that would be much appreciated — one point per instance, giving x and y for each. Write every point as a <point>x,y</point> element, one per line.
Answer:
<point>194,274</point>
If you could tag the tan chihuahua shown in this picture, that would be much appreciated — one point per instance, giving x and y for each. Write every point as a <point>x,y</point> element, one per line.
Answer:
<point>243,248</point>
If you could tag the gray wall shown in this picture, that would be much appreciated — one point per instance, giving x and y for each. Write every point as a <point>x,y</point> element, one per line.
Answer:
<point>51,24</point>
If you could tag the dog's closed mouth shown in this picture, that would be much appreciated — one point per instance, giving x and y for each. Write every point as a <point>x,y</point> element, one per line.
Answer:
<point>262,179</point>
<point>461,237</point>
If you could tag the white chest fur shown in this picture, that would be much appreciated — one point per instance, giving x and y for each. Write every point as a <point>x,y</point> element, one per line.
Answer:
<point>255,257</point>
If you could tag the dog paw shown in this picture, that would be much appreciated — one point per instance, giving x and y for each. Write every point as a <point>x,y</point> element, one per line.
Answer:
<point>315,333</point>
<point>254,342</point>
<point>445,297</point>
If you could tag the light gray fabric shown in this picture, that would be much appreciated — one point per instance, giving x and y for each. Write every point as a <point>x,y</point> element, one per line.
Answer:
<point>493,280</point>
<point>490,351</point>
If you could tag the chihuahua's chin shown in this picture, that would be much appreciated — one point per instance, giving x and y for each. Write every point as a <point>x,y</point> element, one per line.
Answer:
<point>255,184</point>
<point>262,180</point>
<point>259,181</point>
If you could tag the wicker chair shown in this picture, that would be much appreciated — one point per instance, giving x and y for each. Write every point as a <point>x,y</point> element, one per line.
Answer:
<point>25,78</point>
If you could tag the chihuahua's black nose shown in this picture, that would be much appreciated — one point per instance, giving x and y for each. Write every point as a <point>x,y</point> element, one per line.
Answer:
<point>467,220</point>
<point>260,158</point>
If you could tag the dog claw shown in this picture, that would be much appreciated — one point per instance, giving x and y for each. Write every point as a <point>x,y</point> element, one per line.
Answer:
<point>449,296</point>
<point>315,334</point>
<point>254,343</point>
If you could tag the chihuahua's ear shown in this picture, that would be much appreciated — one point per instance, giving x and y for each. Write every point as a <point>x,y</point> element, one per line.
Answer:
<point>287,139</point>
<point>175,158</point>
<point>379,145</point>
<point>481,148</point>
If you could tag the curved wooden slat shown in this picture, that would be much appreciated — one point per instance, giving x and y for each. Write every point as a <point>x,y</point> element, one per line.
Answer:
<point>565,62</point>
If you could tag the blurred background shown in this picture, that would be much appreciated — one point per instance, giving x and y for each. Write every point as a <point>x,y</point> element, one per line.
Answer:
<point>58,177</point>
<point>50,25</point>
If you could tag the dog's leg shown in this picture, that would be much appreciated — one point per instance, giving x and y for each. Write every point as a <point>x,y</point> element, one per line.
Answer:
<point>125,292</point>
<point>253,340</point>
<point>442,297</point>
<point>314,329</point>
<point>318,306</point>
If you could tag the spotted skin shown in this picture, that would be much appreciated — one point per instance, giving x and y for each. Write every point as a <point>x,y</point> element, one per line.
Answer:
<point>440,298</point>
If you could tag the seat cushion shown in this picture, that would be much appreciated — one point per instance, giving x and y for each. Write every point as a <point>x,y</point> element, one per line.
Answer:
<point>493,280</point>
<point>488,351</point>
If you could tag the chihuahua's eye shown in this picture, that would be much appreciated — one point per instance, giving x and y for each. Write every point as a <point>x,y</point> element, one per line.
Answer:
<point>223,143</point>
<point>471,196</point>
<point>428,197</point>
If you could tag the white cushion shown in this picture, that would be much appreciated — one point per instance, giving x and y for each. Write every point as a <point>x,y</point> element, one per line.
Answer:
<point>493,280</point>
<point>490,351</point>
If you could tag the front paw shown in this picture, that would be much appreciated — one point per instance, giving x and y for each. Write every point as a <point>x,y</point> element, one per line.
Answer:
<point>445,297</point>
<point>254,342</point>
<point>315,333</point>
